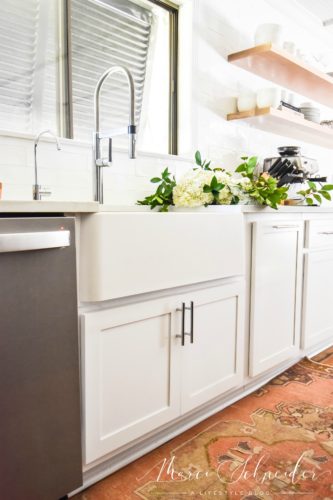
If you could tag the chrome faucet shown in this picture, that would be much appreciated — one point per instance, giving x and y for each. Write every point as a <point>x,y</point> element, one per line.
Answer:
<point>38,191</point>
<point>100,162</point>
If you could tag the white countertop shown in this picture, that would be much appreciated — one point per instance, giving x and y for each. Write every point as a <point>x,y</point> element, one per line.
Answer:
<point>288,209</point>
<point>48,206</point>
<point>221,209</point>
<point>77,207</point>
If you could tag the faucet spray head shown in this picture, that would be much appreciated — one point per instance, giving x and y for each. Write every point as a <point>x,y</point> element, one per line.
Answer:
<point>132,141</point>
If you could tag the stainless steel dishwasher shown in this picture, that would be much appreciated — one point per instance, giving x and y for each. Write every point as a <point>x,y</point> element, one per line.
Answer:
<point>40,438</point>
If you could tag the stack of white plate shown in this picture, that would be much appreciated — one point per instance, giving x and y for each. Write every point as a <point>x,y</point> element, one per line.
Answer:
<point>310,112</point>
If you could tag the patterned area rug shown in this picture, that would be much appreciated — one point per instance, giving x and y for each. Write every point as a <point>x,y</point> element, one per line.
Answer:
<point>273,444</point>
<point>325,357</point>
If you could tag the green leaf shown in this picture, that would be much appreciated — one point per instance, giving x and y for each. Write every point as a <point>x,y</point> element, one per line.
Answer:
<point>317,197</point>
<point>328,187</point>
<point>198,160</point>
<point>325,195</point>
<point>207,189</point>
<point>155,179</point>
<point>252,162</point>
<point>309,201</point>
<point>214,182</point>
<point>241,168</point>
<point>165,174</point>
<point>312,185</point>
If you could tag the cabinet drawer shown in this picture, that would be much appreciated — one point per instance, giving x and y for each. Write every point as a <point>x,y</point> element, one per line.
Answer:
<point>319,233</point>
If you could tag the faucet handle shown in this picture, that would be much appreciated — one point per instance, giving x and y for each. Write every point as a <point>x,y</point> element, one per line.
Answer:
<point>44,191</point>
<point>103,162</point>
<point>40,191</point>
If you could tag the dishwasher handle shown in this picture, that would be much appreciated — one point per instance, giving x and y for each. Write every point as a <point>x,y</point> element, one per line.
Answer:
<point>22,242</point>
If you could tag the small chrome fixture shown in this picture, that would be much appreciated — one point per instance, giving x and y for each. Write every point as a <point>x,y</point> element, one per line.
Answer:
<point>38,190</point>
<point>100,162</point>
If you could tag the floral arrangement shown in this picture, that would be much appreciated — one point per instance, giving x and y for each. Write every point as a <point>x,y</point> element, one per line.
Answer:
<point>204,186</point>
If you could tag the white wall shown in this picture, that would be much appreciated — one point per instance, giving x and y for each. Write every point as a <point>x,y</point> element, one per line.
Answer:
<point>219,28</point>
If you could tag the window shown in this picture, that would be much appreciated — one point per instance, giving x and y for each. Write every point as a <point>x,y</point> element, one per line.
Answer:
<point>134,34</point>
<point>53,52</point>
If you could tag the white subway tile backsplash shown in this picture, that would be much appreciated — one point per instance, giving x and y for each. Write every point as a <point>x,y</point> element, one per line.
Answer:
<point>219,28</point>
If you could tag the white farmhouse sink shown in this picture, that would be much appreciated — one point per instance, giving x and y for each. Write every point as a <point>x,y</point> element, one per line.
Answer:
<point>128,253</point>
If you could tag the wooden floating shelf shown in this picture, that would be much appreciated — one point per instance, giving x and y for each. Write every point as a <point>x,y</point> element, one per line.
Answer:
<point>283,123</point>
<point>279,66</point>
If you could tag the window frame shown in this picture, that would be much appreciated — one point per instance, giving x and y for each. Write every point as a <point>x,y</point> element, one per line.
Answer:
<point>173,10</point>
<point>65,83</point>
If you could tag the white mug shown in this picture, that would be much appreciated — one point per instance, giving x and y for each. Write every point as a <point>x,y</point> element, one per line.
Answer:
<point>230,105</point>
<point>290,47</point>
<point>268,97</point>
<point>246,101</point>
<point>268,33</point>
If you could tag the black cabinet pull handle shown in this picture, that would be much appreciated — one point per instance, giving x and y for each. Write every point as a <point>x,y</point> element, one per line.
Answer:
<point>182,336</point>
<point>192,322</point>
<point>183,333</point>
<point>183,323</point>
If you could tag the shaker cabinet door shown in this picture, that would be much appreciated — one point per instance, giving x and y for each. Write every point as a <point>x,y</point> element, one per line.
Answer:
<point>275,293</point>
<point>129,374</point>
<point>213,363</point>
<point>317,299</point>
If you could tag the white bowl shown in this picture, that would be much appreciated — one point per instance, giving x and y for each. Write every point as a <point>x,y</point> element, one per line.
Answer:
<point>315,119</point>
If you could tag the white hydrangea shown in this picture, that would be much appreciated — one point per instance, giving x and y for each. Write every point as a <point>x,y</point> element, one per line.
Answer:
<point>227,193</point>
<point>189,190</point>
<point>234,187</point>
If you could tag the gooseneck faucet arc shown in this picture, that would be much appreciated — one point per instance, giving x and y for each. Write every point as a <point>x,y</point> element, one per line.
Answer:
<point>100,162</point>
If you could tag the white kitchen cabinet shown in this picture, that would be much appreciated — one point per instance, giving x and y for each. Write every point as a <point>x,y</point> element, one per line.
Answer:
<point>318,278</point>
<point>130,374</point>
<point>136,373</point>
<point>275,293</point>
<point>213,363</point>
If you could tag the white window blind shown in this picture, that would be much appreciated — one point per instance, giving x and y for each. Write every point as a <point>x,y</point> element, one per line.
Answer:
<point>28,65</point>
<point>18,39</point>
<point>104,34</point>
